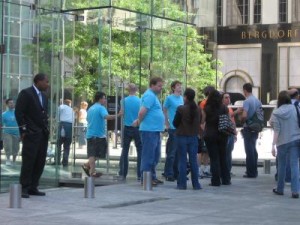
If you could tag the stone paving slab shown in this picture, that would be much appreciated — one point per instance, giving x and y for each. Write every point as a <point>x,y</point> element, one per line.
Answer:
<point>246,201</point>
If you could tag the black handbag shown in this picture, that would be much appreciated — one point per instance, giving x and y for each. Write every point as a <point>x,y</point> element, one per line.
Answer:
<point>225,125</point>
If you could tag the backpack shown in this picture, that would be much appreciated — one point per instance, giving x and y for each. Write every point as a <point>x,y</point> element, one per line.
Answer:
<point>296,104</point>
<point>256,122</point>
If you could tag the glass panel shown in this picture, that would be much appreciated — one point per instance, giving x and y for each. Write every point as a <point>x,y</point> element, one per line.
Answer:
<point>11,64</point>
<point>26,28</point>
<point>296,11</point>
<point>237,12</point>
<point>282,11</point>
<point>257,11</point>
<point>12,26</point>
<point>87,50</point>
<point>26,67</point>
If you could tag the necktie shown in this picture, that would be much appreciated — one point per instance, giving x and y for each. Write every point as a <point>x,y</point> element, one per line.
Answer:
<point>40,98</point>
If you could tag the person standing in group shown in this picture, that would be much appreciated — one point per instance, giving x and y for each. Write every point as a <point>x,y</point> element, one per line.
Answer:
<point>66,120</point>
<point>32,117</point>
<point>203,156</point>
<point>169,108</point>
<point>294,95</point>
<point>231,138</point>
<point>96,134</point>
<point>11,135</point>
<point>151,121</point>
<point>216,141</point>
<point>286,139</point>
<point>187,123</point>
<point>130,108</point>
<point>250,105</point>
<point>82,123</point>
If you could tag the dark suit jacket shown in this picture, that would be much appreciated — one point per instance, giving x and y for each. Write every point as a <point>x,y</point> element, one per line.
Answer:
<point>31,116</point>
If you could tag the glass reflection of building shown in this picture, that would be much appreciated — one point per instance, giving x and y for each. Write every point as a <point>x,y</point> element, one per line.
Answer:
<point>44,36</point>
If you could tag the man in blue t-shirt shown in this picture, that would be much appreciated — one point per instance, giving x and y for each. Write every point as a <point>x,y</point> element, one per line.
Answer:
<point>96,133</point>
<point>250,105</point>
<point>11,136</point>
<point>130,107</point>
<point>151,122</point>
<point>170,106</point>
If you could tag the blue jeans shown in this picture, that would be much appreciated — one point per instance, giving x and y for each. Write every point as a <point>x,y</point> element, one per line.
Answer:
<point>293,150</point>
<point>229,149</point>
<point>187,145</point>
<point>130,133</point>
<point>288,169</point>
<point>251,152</point>
<point>151,144</point>
<point>171,169</point>
<point>81,134</point>
<point>65,141</point>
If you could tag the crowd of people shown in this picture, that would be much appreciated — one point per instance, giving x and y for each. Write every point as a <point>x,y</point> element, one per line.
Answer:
<point>194,137</point>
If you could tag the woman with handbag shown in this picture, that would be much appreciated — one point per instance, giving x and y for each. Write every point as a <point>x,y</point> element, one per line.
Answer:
<point>215,140</point>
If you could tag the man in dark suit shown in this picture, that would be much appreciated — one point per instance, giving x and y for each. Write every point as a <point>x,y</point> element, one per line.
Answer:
<point>31,115</point>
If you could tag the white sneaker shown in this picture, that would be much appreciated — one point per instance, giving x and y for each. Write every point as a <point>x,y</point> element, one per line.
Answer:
<point>8,163</point>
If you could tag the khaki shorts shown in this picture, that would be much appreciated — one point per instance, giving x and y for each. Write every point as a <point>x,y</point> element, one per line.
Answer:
<point>11,144</point>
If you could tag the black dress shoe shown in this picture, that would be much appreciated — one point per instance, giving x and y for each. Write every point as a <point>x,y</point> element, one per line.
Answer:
<point>277,192</point>
<point>246,176</point>
<point>36,192</point>
<point>171,179</point>
<point>25,194</point>
<point>295,195</point>
<point>214,185</point>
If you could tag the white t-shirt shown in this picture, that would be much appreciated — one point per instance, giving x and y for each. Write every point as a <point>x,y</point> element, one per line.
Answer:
<point>66,114</point>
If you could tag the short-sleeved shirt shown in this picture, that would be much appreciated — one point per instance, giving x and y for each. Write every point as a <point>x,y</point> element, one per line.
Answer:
<point>96,121</point>
<point>171,103</point>
<point>203,103</point>
<point>131,106</point>
<point>66,114</point>
<point>154,119</point>
<point>250,105</point>
<point>9,120</point>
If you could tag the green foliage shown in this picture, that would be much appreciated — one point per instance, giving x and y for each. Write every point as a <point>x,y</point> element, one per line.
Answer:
<point>132,48</point>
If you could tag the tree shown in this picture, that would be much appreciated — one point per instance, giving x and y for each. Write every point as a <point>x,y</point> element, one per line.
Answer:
<point>112,43</point>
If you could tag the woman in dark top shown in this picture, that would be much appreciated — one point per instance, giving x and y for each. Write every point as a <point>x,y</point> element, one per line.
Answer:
<point>214,140</point>
<point>187,123</point>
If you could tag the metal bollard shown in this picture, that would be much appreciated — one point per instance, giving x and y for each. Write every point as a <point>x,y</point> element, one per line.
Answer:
<point>267,166</point>
<point>15,191</point>
<point>147,180</point>
<point>89,187</point>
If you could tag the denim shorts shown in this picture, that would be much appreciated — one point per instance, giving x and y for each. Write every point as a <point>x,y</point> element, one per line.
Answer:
<point>96,147</point>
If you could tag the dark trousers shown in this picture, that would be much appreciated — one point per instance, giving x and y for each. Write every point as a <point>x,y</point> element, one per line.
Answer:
<point>251,152</point>
<point>34,152</point>
<point>171,164</point>
<point>220,170</point>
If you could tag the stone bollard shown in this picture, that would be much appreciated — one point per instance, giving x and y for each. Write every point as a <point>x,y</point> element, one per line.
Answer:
<point>267,166</point>
<point>147,181</point>
<point>15,191</point>
<point>89,187</point>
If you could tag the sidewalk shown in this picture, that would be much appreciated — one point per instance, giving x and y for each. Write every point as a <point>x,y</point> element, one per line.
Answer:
<point>246,201</point>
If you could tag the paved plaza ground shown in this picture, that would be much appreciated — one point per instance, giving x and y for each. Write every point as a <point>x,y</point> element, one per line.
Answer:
<point>246,201</point>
